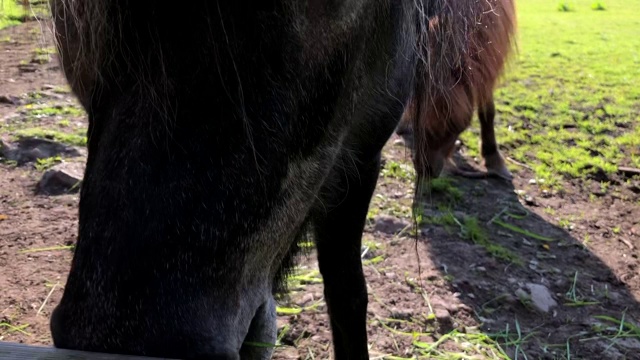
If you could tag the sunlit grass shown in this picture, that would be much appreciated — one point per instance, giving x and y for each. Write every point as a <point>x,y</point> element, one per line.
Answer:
<point>569,106</point>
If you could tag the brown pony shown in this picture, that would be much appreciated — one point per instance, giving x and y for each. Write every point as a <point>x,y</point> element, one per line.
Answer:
<point>444,108</point>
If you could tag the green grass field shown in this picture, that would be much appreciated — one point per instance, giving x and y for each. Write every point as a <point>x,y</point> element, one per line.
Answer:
<point>570,103</point>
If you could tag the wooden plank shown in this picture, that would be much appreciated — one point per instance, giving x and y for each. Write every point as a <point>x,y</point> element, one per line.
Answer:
<point>20,351</point>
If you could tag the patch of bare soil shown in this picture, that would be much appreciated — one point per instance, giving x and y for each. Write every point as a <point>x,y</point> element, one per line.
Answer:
<point>559,293</point>
<point>30,282</point>
<point>572,255</point>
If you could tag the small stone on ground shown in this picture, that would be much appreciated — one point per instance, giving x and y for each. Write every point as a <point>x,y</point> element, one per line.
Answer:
<point>64,178</point>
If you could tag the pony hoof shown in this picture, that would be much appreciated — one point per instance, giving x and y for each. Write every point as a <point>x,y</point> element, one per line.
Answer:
<point>469,174</point>
<point>502,173</point>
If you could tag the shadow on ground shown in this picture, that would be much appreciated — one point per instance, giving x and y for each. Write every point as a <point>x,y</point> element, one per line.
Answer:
<point>538,288</point>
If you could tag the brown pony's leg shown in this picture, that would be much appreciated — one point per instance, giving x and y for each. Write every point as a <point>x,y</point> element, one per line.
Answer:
<point>450,166</point>
<point>493,160</point>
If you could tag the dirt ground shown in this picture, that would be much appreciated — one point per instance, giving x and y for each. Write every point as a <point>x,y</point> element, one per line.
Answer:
<point>448,293</point>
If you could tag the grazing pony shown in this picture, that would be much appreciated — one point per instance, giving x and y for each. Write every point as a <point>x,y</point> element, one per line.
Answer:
<point>448,103</point>
<point>220,134</point>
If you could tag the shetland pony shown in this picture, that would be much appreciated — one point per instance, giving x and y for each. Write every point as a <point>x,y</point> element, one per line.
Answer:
<point>448,104</point>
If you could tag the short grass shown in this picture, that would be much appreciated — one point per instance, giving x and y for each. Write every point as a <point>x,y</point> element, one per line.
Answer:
<point>78,139</point>
<point>34,110</point>
<point>11,13</point>
<point>569,106</point>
